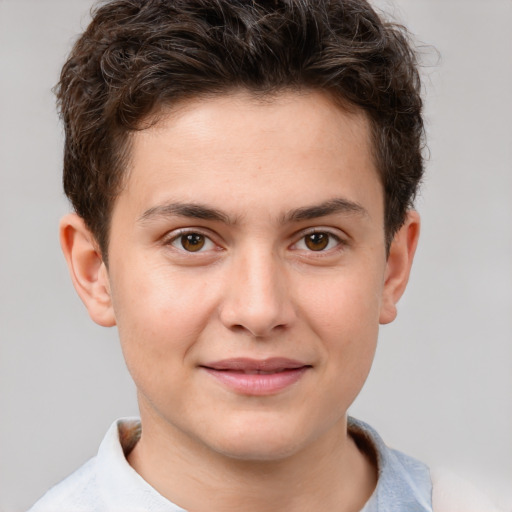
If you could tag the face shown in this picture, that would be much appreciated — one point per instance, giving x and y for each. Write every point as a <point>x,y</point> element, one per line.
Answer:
<point>248,272</point>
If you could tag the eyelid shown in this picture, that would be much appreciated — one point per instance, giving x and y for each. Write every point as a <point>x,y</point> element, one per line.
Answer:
<point>169,238</point>
<point>342,240</point>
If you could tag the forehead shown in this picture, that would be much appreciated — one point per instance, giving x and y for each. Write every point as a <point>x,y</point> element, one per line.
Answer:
<point>289,145</point>
<point>305,117</point>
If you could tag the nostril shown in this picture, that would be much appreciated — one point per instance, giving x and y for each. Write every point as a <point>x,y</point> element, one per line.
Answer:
<point>256,332</point>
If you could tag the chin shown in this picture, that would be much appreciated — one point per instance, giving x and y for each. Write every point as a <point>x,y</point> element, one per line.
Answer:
<point>258,440</point>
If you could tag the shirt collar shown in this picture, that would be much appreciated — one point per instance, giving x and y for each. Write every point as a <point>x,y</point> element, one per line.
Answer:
<point>120,486</point>
<point>404,483</point>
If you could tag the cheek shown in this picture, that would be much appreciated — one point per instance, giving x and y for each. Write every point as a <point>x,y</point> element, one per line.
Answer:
<point>344,315</point>
<point>343,304</point>
<point>160,314</point>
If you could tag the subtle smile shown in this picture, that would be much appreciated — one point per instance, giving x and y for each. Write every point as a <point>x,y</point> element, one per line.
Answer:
<point>257,377</point>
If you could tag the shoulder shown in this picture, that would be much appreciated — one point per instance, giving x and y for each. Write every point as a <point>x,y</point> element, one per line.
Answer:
<point>453,494</point>
<point>107,482</point>
<point>407,484</point>
<point>76,493</point>
<point>89,488</point>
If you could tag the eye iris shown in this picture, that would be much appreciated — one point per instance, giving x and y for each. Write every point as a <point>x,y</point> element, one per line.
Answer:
<point>192,242</point>
<point>317,241</point>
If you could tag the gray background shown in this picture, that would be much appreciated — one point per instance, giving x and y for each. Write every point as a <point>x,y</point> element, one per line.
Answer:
<point>441,387</point>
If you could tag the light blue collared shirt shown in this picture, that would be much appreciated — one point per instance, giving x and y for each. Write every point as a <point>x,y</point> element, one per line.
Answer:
<point>404,483</point>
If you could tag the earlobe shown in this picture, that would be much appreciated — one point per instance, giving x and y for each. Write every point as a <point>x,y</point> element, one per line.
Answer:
<point>398,266</point>
<point>87,269</point>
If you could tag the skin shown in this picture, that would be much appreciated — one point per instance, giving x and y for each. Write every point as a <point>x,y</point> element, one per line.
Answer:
<point>255,289</point>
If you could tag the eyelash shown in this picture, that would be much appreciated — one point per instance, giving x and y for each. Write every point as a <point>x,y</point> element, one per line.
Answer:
<point>178,239</point>
<point>182,234</point>
<point>340,243</point>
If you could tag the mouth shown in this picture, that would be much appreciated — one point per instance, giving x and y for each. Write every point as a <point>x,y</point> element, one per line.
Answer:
<point>257,377</point>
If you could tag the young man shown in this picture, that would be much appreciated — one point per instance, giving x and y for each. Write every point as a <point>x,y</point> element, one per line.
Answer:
<point>242,175</point>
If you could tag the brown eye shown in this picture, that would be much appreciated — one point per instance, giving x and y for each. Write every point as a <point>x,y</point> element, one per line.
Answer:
<point>317,241</point>
<point>192,242</point>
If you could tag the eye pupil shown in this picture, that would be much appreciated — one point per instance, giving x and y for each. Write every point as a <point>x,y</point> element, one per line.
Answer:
<point>317,241</point>
<point>192,242</point>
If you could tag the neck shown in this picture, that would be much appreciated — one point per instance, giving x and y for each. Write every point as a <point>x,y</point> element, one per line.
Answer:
<point>331,471</point>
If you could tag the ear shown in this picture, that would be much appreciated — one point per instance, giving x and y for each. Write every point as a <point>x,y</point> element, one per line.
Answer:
<point>87,269</point>
<point>398,266</point>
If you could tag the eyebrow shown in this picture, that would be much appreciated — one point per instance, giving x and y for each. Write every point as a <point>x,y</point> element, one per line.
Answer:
<point>199,211</point>
<point>330,207</point>
<point>189,210</point>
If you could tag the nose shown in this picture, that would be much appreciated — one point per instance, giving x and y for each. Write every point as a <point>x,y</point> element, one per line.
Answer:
<point>257,299</point>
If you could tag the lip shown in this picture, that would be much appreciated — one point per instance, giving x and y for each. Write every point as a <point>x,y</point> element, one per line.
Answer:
<point>257,377</point>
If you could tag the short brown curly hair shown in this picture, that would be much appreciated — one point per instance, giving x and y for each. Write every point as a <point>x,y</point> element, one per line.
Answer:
<point>138,56</point>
